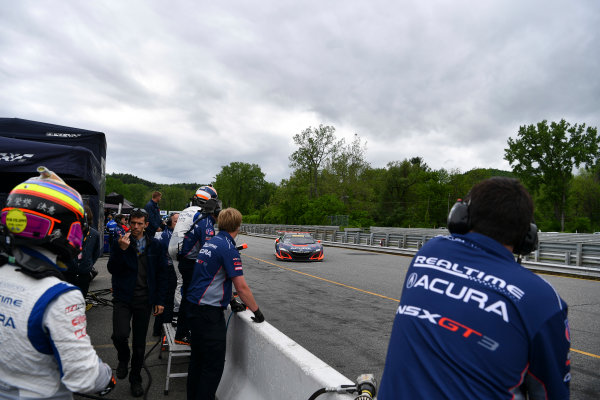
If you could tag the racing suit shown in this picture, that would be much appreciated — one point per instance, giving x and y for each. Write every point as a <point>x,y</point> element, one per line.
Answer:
<point>473,323</point>
<point>202,230</point>
<point>45,352</point>
<point>184,223</point>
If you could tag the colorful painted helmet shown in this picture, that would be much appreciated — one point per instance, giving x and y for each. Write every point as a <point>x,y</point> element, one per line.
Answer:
<point>46,212</point>
<point>203,194</point>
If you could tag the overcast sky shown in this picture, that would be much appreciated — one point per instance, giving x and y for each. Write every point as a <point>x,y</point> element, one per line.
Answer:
<point>182,88</point>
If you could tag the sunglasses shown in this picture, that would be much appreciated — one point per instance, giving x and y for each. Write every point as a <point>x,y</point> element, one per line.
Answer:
<point>142,210</point>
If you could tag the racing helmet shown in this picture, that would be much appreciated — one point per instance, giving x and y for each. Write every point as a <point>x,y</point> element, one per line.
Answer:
<point>46,212</point>
<point>203,194</point>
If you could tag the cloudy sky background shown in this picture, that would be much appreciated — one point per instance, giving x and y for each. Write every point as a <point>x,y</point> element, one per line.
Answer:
<point>182,88</point>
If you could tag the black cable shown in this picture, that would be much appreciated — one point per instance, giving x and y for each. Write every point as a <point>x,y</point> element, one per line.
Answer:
<point>317,394</point>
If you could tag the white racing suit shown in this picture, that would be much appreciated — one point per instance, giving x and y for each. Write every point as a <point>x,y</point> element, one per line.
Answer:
<point>184,223</point>
<point>45,352</point>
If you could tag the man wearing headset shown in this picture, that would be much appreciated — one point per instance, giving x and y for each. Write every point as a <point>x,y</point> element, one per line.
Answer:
<point>45,352</point>
<point>201,230</point>
<point>472,322</point>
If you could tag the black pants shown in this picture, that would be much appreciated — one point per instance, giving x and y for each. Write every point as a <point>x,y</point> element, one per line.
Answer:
<point>209,333</point>
<point>82,281</point>
<point>131,318</point>
<point>167,315</point>
<point>186,267</point>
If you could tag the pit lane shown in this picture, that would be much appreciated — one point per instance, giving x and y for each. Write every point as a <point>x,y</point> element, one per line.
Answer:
<point>342,311</point>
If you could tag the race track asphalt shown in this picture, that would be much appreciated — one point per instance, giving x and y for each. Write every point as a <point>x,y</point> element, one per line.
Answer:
<point>342,311</point>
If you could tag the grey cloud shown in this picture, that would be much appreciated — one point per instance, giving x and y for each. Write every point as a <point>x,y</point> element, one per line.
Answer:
<point>234,81</point>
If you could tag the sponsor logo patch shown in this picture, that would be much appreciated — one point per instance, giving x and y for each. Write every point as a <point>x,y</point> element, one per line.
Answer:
<point>80,319</point>
<point>74,307</point>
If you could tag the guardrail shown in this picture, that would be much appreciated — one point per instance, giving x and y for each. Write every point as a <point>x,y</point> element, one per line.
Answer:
<point>570,253</point>
<point>262,363</point>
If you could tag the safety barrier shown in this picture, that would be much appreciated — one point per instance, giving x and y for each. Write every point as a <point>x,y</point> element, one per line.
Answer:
<point>264,364</point>
<point>557,252</point>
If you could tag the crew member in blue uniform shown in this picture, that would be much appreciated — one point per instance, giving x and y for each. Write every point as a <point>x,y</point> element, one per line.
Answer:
<point>218,266</point>
<point>201,230</point>
<point>472,323</point>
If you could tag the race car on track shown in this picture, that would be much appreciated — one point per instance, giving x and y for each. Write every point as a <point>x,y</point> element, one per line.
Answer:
<point>298,246</point>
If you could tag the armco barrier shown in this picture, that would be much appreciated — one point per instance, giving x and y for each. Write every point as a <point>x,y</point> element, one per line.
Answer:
<point>264,364</point>
<point>561,253</point>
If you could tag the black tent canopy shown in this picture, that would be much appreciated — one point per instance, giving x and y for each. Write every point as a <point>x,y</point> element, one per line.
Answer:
<point>77,155</point>
<point>75,165</point>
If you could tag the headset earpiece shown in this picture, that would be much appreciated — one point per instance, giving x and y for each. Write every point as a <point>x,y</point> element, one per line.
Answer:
<point>529,242</point>
<point>458,219</point>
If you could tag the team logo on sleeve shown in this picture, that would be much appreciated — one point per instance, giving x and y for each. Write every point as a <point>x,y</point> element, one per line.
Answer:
<point>567,331</point>
<point>237,264</point>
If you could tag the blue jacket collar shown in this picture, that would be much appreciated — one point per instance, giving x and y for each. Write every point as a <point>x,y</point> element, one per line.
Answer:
<point>487,244</point>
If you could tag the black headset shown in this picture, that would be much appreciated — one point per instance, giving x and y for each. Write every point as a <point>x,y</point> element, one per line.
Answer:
<point>459,221</point>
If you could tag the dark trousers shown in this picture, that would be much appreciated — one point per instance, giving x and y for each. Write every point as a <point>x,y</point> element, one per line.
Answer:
<point>207,361</point>
<point>131,318</point>
<point>186,268</point>
<point>167,315</point>
<point>82,281</point>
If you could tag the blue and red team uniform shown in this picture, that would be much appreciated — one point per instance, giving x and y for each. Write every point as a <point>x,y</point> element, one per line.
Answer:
<point>218,262</point>
<point>202,231</point>
<point>473,323</point>
<point>208,296</point>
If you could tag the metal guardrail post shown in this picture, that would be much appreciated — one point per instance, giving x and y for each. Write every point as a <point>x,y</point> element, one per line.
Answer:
<point>579,254</point>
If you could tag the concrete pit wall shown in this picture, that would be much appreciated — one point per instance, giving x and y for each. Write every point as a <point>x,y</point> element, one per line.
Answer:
<point>264,364</point>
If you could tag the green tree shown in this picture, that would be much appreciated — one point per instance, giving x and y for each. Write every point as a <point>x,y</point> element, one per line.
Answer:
<point>242,185</point>
<point>585,198</point>
<point>399,201</point>
<point>316,145</point>
<point>543,156</point>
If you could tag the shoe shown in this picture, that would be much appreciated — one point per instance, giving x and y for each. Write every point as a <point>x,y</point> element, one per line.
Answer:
<point>136,389</point>
<point>186,341</point>
<point>122,370</point>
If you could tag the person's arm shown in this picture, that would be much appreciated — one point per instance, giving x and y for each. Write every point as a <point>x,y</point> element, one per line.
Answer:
<point>549,373</point>
<point>121,255</point>
<point>82,370</point>
<point>97,249</point>
<point>243,290</point>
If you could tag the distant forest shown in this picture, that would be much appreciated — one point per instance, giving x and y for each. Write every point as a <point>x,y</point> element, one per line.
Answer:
<point>332,184</point>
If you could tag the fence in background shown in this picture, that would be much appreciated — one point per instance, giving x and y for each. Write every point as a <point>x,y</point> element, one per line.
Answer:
<point>557,252</point>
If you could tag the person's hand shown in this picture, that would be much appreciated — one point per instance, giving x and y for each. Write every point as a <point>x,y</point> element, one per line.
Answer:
<point>258,316</point>
<point>124,241</point>
<point>159,230</point>
<point>237,305</point>
<point>108,388</point>
<point>158,310</point>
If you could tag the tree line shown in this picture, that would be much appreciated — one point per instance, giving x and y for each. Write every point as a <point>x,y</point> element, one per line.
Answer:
<point>332,183</point>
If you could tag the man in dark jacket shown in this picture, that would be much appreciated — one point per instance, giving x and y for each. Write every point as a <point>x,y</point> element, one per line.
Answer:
<point>155,223</point>
<point>138,265</point>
